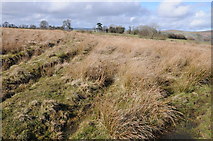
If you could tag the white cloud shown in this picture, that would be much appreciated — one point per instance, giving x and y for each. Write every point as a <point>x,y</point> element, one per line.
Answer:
<point>200,14</point>
<point>89,7</point>
<point>56,6</point>
<point>173,9</point>
<point>132,19</point>
<point>201,19</point>
<point>196,23</point>
<point>177,15</point>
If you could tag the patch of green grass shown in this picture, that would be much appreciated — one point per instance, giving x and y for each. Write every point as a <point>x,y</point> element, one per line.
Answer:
<point>196,107</point>
<point>91,129</point>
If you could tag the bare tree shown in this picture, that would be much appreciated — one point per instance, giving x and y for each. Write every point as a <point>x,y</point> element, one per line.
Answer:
<point>5,24</point>
<point>67,24</point>
<point>147,31</point>
<point>44,24</point>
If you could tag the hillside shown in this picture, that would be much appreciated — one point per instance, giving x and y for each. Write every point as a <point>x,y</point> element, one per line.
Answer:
<point>198,36</point>
<point>71,85</point>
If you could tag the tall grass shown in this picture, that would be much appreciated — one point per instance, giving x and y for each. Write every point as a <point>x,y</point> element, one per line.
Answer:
<point>136,114</point>
<point>141,73</point>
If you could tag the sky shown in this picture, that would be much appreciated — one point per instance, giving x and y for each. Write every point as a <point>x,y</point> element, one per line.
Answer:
<point>188,16</point>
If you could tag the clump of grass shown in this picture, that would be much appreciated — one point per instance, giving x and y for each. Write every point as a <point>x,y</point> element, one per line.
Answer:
<point>102,73</point>
<point>136,114</point>
<point>190,77</point>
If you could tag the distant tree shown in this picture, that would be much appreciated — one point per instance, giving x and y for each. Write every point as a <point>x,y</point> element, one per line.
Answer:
<point>105,29</point>
<point>23,26</point>
<point>5,24</point>
<point>120,29</point>
<point>67,24</point>
<point>44,24</point>
<point>116,29</point>
<point>12,25</point>
<point>130,30</point>
<point>147,31</point>
<point>32,26</point>
<point>112,29</point>
<point>134,30</point>
<point>51,27</point>
<point>99,26</point>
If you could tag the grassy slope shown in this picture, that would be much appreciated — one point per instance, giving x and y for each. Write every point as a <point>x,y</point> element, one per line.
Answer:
<point>74,98</point>
<point>199,36</point>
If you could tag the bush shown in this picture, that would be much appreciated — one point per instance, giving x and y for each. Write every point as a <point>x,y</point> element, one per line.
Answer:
<point>112,29</point>
<point>176,36</point>
<point>135,31</point>
<point>116,29</point>
<point>120,29</point>
<point>147,31</point>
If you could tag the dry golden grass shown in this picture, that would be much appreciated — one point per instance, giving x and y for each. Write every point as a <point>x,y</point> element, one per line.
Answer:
<point>146,71</point>
<point>16,40</point>
<point>141,61</point>
<point>136,114</point>
<point>135,75</point>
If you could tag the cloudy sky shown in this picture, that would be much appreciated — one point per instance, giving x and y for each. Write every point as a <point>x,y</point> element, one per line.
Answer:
<point>188,16</point>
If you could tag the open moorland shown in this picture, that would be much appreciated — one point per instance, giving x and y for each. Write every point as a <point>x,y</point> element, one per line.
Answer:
<point>71,85</point>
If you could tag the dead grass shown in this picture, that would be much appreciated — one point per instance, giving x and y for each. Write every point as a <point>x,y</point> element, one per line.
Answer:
<point>134,75</point>
<point>136,114</point>
<point>147,71</point>
<point>16,40</point>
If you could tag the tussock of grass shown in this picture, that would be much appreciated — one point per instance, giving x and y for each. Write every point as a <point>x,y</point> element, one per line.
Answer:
<point>136,114</point>
<point>100,72</point>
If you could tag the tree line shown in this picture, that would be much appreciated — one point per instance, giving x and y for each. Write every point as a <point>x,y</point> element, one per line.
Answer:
<point>143,31</point>
<point>110,29</point>
<point>66,25</point>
